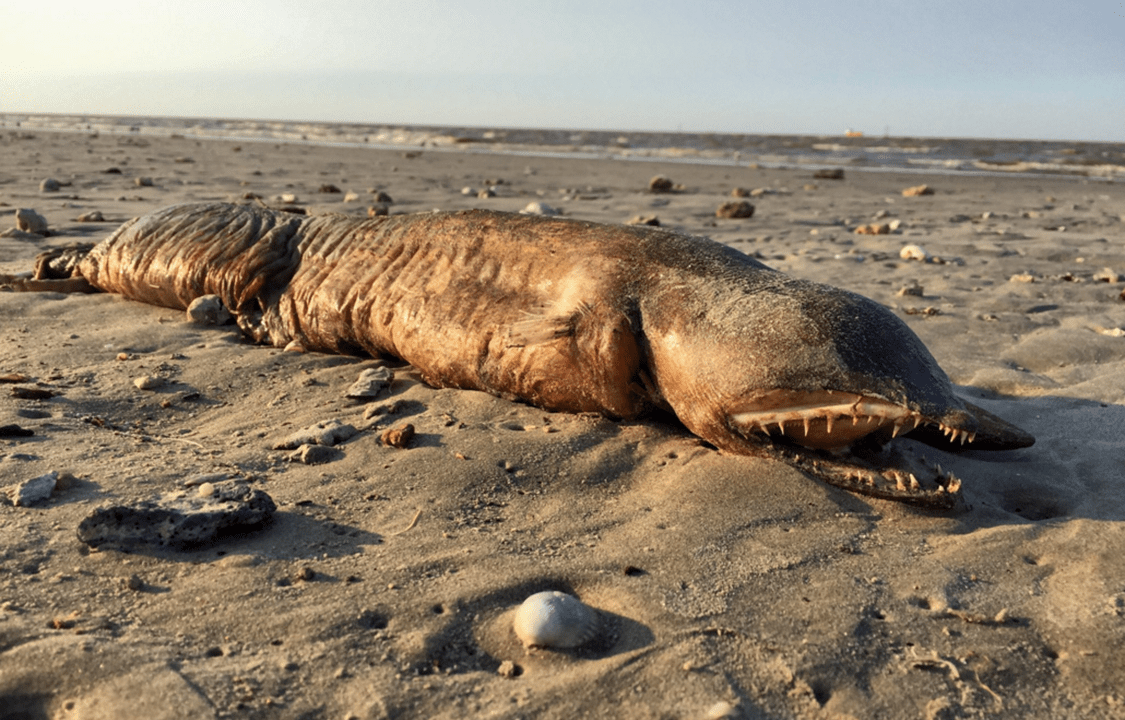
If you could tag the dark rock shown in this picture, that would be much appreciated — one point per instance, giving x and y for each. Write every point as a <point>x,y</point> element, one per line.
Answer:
<point>735,209</point>
<point>179,521</point>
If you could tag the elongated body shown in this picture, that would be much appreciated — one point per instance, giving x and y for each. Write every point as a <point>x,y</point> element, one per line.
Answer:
<point>564,314</point>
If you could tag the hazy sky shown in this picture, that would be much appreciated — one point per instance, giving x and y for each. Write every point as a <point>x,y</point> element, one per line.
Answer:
<point>977,68</point>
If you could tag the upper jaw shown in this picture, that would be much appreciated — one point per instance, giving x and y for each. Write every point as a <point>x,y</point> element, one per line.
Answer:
<point>832,420</point>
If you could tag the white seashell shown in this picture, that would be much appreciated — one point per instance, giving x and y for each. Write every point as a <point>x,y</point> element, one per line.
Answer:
<point>555,619</point>
<point>539,208</point>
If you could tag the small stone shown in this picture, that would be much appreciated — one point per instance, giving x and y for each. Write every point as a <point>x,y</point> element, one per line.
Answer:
<point>49,185</point>
<point>328,188</point>
<point>508,669</point>
<point>467,190</point>
<point>650,220</point>
<point>378,211</point>
<point>92,216</point>
<point>135,583</point>
<point>829,174</point>
<point>34,491</point>
<point>149,382</point>
<point>874,229</point>
<point>381,197</point>
<point>351,197</point>
<point>914,289</point>
<point>1022,278</point>
<point>661,184</point>
<point>30,221</point>
<point>913,252</point>
<point>143,182</point>
<point>740,192</point>
<point>370,383</point>
<point>314,455</point>
<point>1108,275</point>
<point>327,432</point>
<point>400,437</point>
<point>486,193</point>
<point>539,208</point>
<point>918,191</point>
<point>735,209</point>
<point>205,490</point>
<point>208,310</point>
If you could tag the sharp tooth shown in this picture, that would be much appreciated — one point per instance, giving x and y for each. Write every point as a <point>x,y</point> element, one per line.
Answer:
<point>828,420</point>
<point>954,484</point>
<point>897,429</point>
<point>914,484</point>
<point>855,419</point>
<point>964,436</point>
<point>806,419</point>
<point>917,421</point>
<point>972,437</point>
<point>898,482</point>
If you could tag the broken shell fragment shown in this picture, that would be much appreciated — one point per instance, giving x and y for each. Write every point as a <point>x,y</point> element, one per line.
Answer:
<point>555,619</point>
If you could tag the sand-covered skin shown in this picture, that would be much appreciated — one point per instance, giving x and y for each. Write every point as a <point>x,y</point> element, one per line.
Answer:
<point>386,585</point>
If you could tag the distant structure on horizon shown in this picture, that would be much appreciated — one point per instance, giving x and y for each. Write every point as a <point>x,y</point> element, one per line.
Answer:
<point>853,133</point>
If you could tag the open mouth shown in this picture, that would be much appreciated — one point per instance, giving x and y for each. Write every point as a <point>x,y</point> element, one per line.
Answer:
<point>844,439</point>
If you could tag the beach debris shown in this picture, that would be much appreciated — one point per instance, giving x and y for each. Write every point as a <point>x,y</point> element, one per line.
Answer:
<point>829,174</point>
<point>650,220</point>
<point>287,198</point>
<point>661,184</point>
<point>142,182</point>
<point>400,437</point>
<point>378,211</point>
<point>179,520</point>
<point>1108,275</point>
<point>208,310</point>
<point>914,289</point>
<point>37,490</point>
<point>914,252</point>
<point>326,432</point>
<point>539,208</point>
<point>918,191</point>
<point>49,185</point>
<point>13,430</point>
<point>21,392</point>
<point>370,383</point>
<point>735,209</point>
<point>874,229</point>
<point>14,377</point>
<point>351,196</point>
<point>91,216</point>
<point>30,221</point>
<point>553,619</point>
<point>314,454</point>
<point>1024,277</point>
<point>149,382</point>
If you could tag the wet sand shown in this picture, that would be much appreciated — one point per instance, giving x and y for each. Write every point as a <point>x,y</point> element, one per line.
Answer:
<point>386,584</point>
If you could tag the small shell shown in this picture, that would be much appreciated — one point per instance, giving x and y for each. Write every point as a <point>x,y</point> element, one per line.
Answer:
<point>555,619</point>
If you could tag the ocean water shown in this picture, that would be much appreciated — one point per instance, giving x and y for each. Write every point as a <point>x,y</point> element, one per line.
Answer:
<point>942,155</point>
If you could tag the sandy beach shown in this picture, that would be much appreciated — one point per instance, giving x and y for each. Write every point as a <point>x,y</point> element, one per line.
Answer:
<point>726,586</point>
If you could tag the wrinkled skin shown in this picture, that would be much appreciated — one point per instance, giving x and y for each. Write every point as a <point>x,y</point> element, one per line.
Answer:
<point>573,316</point>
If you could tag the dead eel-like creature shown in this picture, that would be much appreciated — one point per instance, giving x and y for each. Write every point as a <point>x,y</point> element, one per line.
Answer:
<point>573,316</point>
